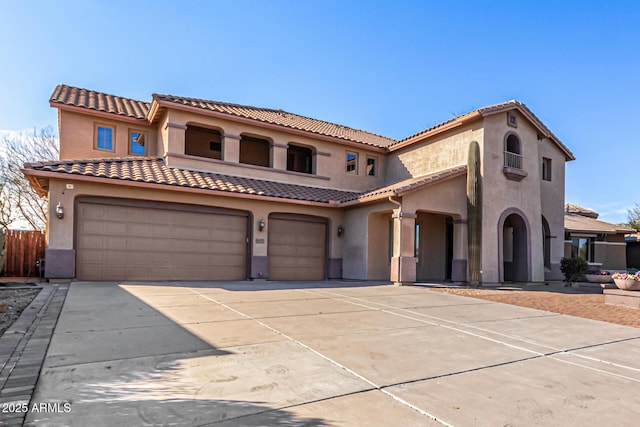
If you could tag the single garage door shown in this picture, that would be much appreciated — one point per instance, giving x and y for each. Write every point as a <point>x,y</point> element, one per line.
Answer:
<point>125,242</point>
<point>297,249</point>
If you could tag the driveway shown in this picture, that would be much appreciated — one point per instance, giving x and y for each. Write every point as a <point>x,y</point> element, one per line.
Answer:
<point>328,353</point>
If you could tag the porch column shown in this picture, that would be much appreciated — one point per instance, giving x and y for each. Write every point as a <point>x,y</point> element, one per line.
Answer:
<point>403,263</point>
<point>231,148</point>
<point>459,262</point>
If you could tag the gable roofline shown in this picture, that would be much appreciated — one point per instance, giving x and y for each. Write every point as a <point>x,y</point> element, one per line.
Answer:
<point>478,114</point>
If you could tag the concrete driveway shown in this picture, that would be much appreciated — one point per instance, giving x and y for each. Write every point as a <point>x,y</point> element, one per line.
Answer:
<point>328,353</point>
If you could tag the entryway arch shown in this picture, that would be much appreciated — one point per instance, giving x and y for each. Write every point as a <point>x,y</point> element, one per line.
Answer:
<point>514,234</point>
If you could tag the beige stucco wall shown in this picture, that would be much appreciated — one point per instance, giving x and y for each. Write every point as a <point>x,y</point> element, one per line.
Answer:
<point>501,194</point>
<point>552,203</point>
<point>60,232</point>
<point>329,161</point>
<point>77,136</point>
<point>440,152</point>
<point>365,247</point>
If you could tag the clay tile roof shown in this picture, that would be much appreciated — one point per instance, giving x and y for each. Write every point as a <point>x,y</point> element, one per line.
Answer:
<point>579,210</point>
<point>402,187</point>
<point>575,222</point>
<point>282,118</point>
<point>98,101</point>
<point>153,170</point>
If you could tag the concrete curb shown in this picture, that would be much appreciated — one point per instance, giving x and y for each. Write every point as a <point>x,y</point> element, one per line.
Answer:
<point>23,348</point>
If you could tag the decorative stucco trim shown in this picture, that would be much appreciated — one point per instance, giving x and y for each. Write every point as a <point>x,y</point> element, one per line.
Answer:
<point>243,165</point>
<point>175,125</point>
<point>228,135</point>
<point>611,243</point>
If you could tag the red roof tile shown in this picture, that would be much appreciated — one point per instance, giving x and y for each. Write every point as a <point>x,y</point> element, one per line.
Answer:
<point>282,118</point>
<point>153,170</point>
<point>92,100</point>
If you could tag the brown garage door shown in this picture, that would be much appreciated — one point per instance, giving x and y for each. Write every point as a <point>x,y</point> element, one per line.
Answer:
<point>123,242</point>
<point>297,249</point>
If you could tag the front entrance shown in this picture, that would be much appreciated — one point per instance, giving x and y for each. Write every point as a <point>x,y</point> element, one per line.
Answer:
<point>433,246</point>
<point>515,252</point>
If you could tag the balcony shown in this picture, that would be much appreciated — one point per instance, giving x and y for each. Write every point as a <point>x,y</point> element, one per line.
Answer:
<point>513,166</point>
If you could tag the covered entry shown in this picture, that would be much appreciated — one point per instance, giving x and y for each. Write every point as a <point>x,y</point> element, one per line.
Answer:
<point>514,235</point>
<point>129,240</point>
<point>297,247</point>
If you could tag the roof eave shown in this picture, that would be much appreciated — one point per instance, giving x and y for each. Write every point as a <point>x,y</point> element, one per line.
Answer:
<point>101,114</point>
<point>36,175</point>
<point>457,122</point>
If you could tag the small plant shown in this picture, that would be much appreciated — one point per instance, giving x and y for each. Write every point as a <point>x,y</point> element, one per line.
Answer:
<point>627,276</point>
<point>573,269</point>
<point>599,272</point>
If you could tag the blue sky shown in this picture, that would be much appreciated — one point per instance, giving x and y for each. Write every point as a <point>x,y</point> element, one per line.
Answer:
<point>392,68</point>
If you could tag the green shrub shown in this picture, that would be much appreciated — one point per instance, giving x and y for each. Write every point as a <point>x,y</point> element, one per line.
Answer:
<point>573,269</point>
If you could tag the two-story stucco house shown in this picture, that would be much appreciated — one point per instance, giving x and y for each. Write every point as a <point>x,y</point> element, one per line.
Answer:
<point>183,188</point>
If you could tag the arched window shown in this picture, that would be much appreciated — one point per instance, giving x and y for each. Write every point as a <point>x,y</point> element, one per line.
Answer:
<point>254,151</point>
<point>299,159</point>
<point>512,151</point>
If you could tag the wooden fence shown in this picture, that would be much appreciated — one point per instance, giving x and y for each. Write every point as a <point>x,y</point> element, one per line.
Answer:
<point>22,250</point>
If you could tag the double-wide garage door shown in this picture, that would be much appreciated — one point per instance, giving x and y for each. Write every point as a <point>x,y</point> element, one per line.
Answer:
<point>118,241</point>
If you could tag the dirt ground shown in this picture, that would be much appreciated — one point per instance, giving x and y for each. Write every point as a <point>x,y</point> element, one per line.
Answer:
<point>12,302</point>
<point>588,303</point>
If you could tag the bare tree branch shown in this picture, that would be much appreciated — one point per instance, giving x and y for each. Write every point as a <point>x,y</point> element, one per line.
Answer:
<point>20,204</point>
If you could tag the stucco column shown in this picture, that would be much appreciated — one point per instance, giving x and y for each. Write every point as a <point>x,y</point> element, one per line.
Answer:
<point>231,148</point>
<point>403,263</point>
<point>279,156</point>
<point>175,137</point>
<point>459,262</point>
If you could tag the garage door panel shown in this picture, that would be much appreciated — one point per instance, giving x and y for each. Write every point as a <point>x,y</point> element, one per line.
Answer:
<point>159,244</point>
<point>297,249</point>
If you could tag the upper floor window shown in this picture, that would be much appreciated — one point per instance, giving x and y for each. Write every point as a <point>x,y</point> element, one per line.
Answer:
<point>512,152</point>
<point>372,164</point>
<point>352,163</point>
<point>299,159</point>
<point>104,137</point>
<point>137,142</point>
<point>546,169</point>
<point>254,151</point>
<point>203,142</point>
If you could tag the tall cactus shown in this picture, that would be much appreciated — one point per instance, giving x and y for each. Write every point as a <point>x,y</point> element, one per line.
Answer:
<point>474,213</point>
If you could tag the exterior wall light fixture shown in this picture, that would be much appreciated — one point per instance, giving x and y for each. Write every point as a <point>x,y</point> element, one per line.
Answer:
<point>261,225</point>
<point>60,210</point>
<point>340,231</point>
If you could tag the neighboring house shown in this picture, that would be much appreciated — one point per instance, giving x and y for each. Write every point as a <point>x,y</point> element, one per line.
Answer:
<point>183,188</point>
<point>600,243</point>
<point>633,250</point>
